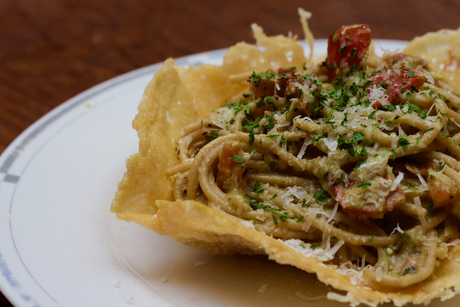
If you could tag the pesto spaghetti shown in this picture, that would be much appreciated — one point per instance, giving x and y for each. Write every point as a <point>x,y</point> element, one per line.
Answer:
<point>354,161</point>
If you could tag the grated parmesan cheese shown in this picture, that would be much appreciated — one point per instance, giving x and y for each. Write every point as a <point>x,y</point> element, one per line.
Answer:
<point>422,180</point>
<point>334,211</point>
<point>421,212</point>
<point>378,273</point>
<point>330,143</point>
<point>248,224</point>
<point>394,140</point>
<point>397,229</point>
<point>378,95</point>
<point>397,181</point>
<point>303,148</point>
<point>318,253</point>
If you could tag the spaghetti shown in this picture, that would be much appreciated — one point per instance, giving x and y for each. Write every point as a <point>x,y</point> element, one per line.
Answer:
<point>355,160</point>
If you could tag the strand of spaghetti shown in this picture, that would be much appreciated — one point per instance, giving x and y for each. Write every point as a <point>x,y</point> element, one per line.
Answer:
<point>453,99</point>
<point>282,232</point>
<point>353,238</point>
<point>453,116</point>
<point>449,143</point>
<point>195,126</point>
<point>180,185</point>
<point>184,166</point>
<point>309,126</point>
<point>292,136</point>
<point>410,209</point>
<point>283,180</point>
<point>434,221</point>
<point>456,138</point>
<point>260,166</point>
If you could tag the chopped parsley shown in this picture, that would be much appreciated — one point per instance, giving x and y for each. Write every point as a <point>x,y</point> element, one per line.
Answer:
<point>258,188</point>
<point>359,164</point>
<point>251,138</point>
<point>348,144</point>
<point>385,152</point>
<point>213,136</point>
<point>403,142</point>
<point>430,207</point>
<point>237,158</point>
<point>364,185</point>
<point>275,221</point>
<point>440,166</point>
<point>320,197</point>
<point>353,53</point>
<point>316,138</point>
<point>342,48</point>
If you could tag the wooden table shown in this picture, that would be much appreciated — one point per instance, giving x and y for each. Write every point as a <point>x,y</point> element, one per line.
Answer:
<point>51,50</point>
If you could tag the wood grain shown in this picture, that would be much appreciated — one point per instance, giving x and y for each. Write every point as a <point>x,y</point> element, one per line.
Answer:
<point>51,50</point>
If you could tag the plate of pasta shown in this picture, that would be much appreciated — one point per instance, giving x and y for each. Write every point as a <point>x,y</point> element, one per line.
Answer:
<point>339,164</point>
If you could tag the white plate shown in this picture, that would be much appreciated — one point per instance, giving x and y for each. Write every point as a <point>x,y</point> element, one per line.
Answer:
<point>60,246</point>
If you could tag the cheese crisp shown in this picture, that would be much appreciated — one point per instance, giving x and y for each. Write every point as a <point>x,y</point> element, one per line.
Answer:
<point>347,168</point>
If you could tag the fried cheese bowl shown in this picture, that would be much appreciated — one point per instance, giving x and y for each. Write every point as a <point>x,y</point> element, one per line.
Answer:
<point>347,168</point>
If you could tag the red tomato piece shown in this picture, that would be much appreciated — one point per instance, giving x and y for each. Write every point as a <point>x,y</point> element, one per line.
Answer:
<point>345,48</point>
<point>396,82</point>
<point>265,87</point>
<point>268,87</point>
<point>339,192</point>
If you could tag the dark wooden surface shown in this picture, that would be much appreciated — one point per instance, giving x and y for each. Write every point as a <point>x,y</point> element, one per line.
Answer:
<point>51,50</point>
